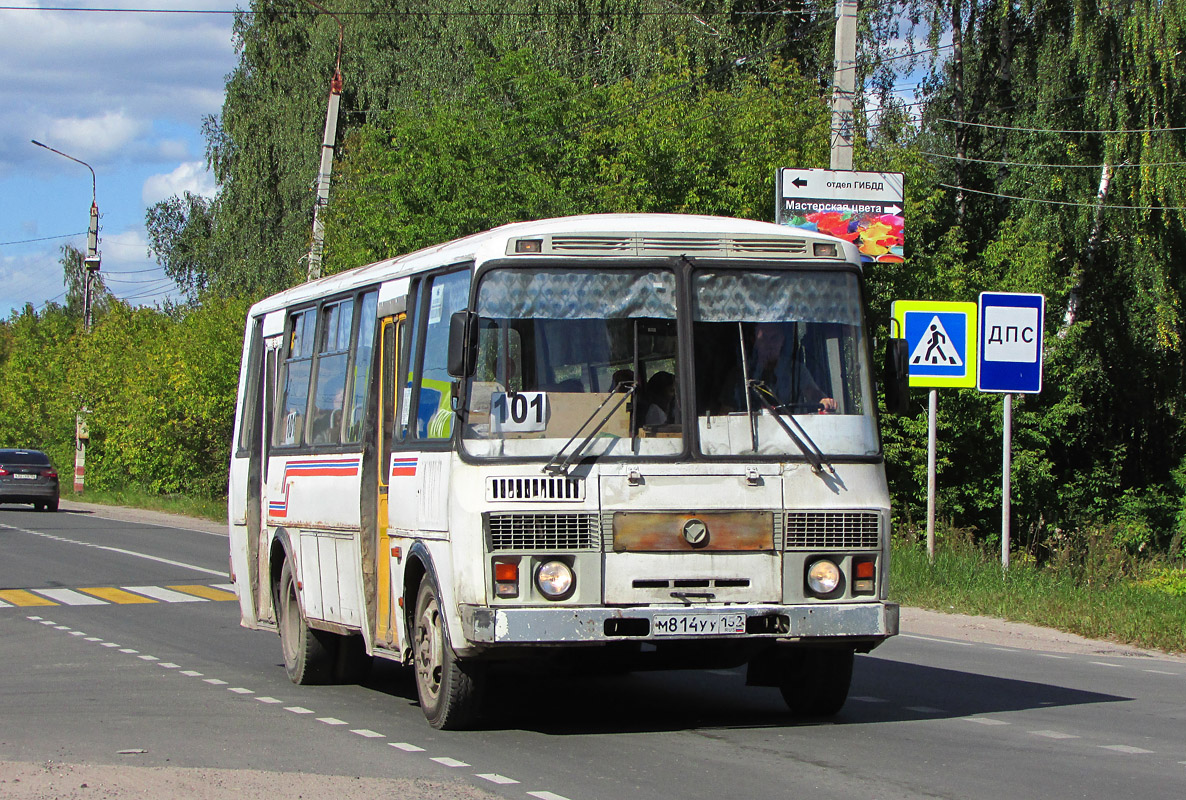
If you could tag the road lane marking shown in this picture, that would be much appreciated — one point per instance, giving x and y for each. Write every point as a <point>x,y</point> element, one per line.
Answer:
<point>452,763</point>
<point>298,710</point>
<point>331,720</point>
<point>547,796</point>
<point>214,681</point>
<point>113,595</point>
<point>987,720</point>
<point>269,700</point>
<point>367,733</point>
<point>1126,749</point>
<point>1106,664</point>
<point>494,777</point>
<point>1054,734</point>
<point>240,690</point>
<point>192,673</point>
<point>407,748</point>
<point>120,550</point>
<point>932,639</point>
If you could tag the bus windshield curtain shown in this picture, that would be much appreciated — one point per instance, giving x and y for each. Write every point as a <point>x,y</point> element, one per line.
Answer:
<point>577,294</point>
<point>735,296</point>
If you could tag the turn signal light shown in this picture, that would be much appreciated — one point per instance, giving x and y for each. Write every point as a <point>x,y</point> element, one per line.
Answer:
<point>864,571</point>
<point>506,579</point>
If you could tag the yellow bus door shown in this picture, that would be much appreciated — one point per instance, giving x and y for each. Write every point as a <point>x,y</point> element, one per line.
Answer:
<point>389,344</point>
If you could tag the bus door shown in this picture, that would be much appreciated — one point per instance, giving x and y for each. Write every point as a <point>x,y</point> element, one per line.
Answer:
<point>262,579</point>
<point>389,348</point>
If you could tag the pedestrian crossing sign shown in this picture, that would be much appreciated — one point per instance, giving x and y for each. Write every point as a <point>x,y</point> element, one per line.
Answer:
<point>941,339</point>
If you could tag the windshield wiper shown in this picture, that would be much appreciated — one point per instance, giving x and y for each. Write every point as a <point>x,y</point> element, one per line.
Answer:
<point>801,438</point>
<point>623,392</point>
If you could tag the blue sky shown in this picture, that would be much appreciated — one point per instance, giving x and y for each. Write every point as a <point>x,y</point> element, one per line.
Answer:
<point>125,92</point>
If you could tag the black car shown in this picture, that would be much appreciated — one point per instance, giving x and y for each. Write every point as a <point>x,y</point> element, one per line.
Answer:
<point>28,476</point>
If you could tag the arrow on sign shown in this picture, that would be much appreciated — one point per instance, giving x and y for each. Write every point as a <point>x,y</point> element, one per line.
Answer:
<point>894,209</point>
<point>799,182</point>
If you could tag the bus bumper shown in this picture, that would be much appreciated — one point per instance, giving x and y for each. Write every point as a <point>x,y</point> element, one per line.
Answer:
<point>561,625</point>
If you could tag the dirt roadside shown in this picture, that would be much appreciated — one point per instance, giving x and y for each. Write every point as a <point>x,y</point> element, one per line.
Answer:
<point>58,781</point>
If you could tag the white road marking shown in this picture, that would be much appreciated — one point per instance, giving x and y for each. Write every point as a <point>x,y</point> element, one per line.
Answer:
<point>1124,748</point>
<point>168,665</point>
<point>1106,664</point>
<point>1054,734</point>
<point>494,777</point>
<point>407,748</point>
<point>297,710</point>
<point>269,700</point>
<point>1005,649</point>
<point>1052,655</point>
<point>69,597</point>
<point>121,551</point>
<point>1159,672</point>
<point>62,628</point>
<point>925,710</point>
<point>93,639</point>
<point>165,595</point>
<point>214,682</point>
<point>449,762</point>
<point>331,721</point>
<point>150,658</point>
<point>129,651</point>
<point>547,796</point>
<point>931,639</point>
<point>240,690</point>
<point>367,734</point>
<point>191,673</point>
<point>77,633</point>
<point>986,720</point>
<point>48,622</point>
<point>109,644</point>
<point>6,605</point>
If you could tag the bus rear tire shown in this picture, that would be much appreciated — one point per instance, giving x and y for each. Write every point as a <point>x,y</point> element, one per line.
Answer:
<point>450,690</point>
<point>308,653</point>
<point>816,683</point>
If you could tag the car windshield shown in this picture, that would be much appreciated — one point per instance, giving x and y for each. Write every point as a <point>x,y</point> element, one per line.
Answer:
<point>556,345</point>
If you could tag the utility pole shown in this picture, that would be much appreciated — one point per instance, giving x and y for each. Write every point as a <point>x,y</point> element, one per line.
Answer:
<point>90,266</point>
<point>328,141</point>
<point>844,82</point>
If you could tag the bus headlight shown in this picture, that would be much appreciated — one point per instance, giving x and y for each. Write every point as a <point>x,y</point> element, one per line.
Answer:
<point>555,580</point>
<point>823,577</point>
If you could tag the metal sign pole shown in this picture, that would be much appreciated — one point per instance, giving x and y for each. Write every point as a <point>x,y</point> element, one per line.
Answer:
<point>1006,476</point>
<point>932,426</point>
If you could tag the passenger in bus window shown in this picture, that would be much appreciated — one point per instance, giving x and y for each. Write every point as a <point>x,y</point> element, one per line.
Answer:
<point>662,408</point>
<point>780,370</point>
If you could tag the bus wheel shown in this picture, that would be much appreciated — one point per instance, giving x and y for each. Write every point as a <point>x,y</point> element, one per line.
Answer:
<point>816,683</point>
<point>307,652</point>
<point>450,690</point>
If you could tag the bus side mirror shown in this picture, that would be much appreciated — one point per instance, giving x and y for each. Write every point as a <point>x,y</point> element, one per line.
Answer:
<point>463,345</point>
<point>897,376</point>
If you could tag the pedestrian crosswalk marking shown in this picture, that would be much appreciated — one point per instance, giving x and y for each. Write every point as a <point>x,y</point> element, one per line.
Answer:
<point>116,595</point>
<point>113,595</point>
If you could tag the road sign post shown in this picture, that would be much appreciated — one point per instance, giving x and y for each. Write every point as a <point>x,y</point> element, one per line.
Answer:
<point>941,340</point>
<point>1010,363</point>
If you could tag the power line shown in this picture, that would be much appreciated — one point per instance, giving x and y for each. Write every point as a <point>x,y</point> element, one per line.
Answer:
<point>1050,130</point>
<point>1058,166</point>
<point>44,238</point>
<point>1061,202</point>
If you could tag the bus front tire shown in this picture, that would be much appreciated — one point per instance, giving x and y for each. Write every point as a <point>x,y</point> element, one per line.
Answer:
<point>308,653</point>
<point>449,689</point>
<point>816,683</point>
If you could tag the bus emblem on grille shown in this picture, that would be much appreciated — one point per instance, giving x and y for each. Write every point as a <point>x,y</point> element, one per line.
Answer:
<point>695,533</point>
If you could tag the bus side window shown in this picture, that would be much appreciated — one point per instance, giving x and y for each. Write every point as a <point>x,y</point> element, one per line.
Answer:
<point>363,352</point>
<point>434,405</point>
<point>333,354</point>
<point>293,399</point>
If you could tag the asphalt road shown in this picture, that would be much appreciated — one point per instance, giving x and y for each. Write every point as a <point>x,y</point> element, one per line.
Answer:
<point>87,677</point>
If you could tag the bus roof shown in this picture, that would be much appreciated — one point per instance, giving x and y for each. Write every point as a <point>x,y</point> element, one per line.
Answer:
<point>595,234</point>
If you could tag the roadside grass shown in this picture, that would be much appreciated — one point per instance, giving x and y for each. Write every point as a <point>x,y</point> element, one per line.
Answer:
<point>138,498</point>
<point>964,579</point>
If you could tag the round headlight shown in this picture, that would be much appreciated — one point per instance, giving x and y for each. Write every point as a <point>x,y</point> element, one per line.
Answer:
<point>555,580</point>
<point>823,577</point>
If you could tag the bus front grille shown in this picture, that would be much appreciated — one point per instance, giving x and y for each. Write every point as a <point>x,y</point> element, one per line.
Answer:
<point>552,532</point>
<point>832,530</point>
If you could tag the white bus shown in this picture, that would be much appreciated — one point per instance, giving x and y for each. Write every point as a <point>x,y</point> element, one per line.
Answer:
<point>649,439</point>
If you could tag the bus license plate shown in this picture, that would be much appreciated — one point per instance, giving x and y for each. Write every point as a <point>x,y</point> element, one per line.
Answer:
<point>698,624</point>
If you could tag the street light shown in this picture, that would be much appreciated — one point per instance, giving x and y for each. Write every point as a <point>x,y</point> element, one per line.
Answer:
<point>90,267</point>
<point>91,261</point>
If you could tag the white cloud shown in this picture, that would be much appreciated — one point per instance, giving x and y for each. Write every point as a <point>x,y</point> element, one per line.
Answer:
<point>191,176</point>
<point>96,137</point>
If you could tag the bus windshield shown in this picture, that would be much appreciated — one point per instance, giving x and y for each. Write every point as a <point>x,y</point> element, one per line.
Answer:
<point>569,354</point>
<point>781,342</point>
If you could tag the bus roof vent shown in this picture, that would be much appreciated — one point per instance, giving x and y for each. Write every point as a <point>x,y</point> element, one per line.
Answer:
<point>655,245</point>
<point>593,243</point>
<point>769,246</point>
<point>533,489</point>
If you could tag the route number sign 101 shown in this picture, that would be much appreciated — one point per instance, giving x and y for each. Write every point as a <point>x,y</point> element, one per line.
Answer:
<point>518,412</point>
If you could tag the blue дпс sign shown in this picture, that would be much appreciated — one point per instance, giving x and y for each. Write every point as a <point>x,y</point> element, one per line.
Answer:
<point>1010,343</point>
